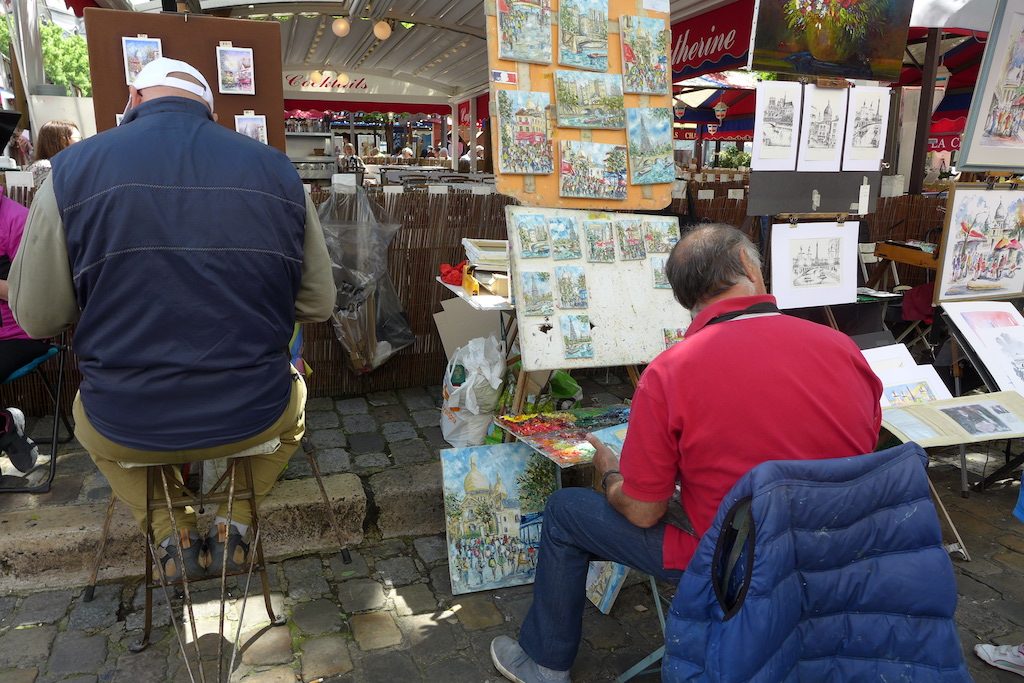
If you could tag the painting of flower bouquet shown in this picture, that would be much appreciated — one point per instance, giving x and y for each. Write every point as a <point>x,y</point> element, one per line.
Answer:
<point>841,38</point>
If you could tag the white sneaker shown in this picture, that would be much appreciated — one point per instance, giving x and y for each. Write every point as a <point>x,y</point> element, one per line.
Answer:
<point>1005,657</point>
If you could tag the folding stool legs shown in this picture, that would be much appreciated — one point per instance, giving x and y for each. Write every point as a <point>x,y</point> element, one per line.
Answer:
<point>275,620</point>
<point>346,556</point>
<point>90,590</point>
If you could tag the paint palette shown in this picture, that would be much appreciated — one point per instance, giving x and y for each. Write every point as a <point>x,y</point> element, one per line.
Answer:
<point>562,436</point>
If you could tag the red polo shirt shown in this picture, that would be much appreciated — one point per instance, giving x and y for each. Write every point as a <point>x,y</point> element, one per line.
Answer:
<point>735,394</point>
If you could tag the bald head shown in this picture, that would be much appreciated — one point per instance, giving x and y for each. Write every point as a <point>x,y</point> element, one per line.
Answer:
<point>711,261</point>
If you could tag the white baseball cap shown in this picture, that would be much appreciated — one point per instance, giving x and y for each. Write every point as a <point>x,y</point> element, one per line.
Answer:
<point>157,73</point>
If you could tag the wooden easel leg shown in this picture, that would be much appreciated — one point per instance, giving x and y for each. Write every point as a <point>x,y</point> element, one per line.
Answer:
<point>954,351</point>
<point>831,318</point>
<point>634,375</point>
<point>952,548</point>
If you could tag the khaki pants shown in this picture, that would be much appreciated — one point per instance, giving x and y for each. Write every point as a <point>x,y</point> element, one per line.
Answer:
<point>129,484</point>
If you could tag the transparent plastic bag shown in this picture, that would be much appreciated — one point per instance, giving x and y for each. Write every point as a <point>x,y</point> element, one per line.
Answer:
<point>368,317</point>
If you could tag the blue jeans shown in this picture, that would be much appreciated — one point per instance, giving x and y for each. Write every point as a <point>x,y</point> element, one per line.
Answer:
<point>580,526</point>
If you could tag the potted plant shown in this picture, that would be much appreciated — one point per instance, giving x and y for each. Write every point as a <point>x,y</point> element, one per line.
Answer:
<point>835,29</point>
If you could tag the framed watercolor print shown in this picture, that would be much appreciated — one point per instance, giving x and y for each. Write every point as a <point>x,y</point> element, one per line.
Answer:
<point>867,122</point>
<point>821,129</point>
<point>994,136</point>
<point>252,126</point>
<point>980,255</point>
<point>524,31</point>
<point>137,53</point>
<point>776,125</point>
<point>235,73</point>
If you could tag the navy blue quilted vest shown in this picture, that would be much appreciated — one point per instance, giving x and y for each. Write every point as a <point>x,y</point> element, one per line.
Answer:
<point>847,581</point>
<point>185,242</point>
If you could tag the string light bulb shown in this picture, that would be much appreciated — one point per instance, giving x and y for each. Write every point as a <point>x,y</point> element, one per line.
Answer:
<point>382,30</point>
<point>340,27</point>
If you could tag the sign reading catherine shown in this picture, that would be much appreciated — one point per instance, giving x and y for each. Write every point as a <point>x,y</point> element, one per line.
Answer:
<point>713,41</point>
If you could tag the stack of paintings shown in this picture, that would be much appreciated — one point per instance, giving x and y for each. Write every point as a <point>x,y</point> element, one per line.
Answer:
<point>494,503</point>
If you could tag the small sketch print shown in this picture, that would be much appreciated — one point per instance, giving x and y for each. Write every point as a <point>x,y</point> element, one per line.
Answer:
<point>137,53</point>
<point>815,262</point>
<point>533,236</point>
<point>660,236</point>
<point>631,240</point>
<point>600,241</point>
<point>565,242</point>
<point>867,123</point>
<point>536,293</point>
<point>576,336</point>
<point>673,336</point>
<point>254,127</point>
<point>235,74</point>
<point>779,119</point>
<point>658,268</point>
<point>571,284</point>
<point>823,130</point>
<point>977,419</point>
<point>907,394</point>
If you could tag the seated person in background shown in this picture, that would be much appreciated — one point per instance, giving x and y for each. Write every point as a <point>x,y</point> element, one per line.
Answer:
<point>186,268</point>
<point>442,153</point>
<point>407,153</point>
<point>53,137</point>
<point>348,160</point>
<point>16,348</point>
<point>747,385</point>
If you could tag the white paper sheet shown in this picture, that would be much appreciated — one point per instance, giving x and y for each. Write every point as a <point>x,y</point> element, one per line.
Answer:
<point>995,331</point>
<point>814,264</point>
<point>822,128</point>
<point>776,126</point>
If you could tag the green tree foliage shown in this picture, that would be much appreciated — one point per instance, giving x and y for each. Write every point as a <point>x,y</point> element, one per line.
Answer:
<point>65,59</point>
<point>453,506</point>
<point>536,483</point>
<point>733,158</point>
<point>5,36</point>
<point>615,161</point>
<point>484,511</point>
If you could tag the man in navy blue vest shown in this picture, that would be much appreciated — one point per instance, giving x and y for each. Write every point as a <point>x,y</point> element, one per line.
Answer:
<point>185,252</point>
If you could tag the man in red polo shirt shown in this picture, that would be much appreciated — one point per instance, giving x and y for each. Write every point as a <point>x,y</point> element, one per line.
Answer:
<point>747,385</point>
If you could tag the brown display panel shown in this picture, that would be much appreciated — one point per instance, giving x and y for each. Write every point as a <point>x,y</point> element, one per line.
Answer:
<point>192,38</point>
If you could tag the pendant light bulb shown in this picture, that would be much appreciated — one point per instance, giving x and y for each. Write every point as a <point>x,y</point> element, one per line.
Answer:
<point>341,27</point>
<point>382,30</point>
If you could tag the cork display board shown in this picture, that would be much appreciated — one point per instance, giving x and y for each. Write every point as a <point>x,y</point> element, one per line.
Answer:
<point>192,38</point>
<point>559,82</point>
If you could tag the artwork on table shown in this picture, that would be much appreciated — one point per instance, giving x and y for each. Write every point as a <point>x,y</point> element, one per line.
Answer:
<point>821,131</point>
<point>660,236</point>
<point>562,436</point>
<point>673,336</point>
<point>592,169</point>
<point>583,34</point>
<point>524,31</point>
<point>571,284</point>
<point>589,100</point>
<point>576,336</point>
<point>137,53</point>
<point>536,293</point>
<point>533,236</point>
<point>235,73</point>
<point>978,419</point>
<point>910,425</point>
<point>910,385</point>
<point>524,143</point>
<point>886,358</point>
<point>814,264</point>
<point>604,581</point>
<point>994,136</point>
<point>649,131</point>
<point>658,271</point>
<point>867,122</point>
<point>493,504</point>
<point>644,55</point>
<point>995,331</point>
<point>600,241</point>
<point>252,126</point>
<point>981,252</point>
<point>630,234</point>
<point>776,125</point>
<point>565,241</point>
<point>842,38</point>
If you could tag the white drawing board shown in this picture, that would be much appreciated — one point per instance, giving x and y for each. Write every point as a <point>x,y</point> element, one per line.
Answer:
<point>777,126</point>
<point>814,264</point>
<point>886,358</point>
<point>626,309</point>
<point>995,331</point>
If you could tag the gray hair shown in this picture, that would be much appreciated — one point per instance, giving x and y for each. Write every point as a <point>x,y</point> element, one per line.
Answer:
<point>706,262</point>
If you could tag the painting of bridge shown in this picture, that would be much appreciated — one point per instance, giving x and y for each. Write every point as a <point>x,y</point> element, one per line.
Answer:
<point>583,34</point>
<point>587,100</point>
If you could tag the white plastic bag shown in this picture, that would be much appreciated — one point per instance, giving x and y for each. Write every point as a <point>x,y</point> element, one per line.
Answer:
<point>469,405</point>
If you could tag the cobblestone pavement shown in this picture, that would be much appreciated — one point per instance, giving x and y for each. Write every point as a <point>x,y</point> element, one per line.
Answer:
<point>390,616</point>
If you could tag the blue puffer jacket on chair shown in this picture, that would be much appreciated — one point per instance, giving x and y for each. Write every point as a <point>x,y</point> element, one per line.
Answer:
<point>843,577</point>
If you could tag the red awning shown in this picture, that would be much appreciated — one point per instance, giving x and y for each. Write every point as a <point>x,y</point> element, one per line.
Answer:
<point>369,107</point>
<point>714,41</point>
<point>78,6</point>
